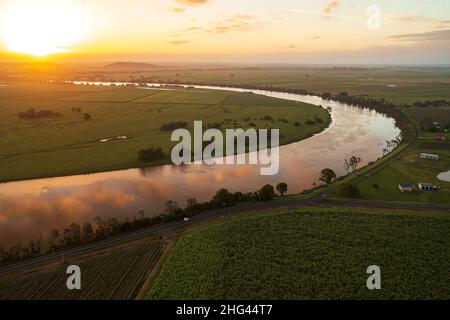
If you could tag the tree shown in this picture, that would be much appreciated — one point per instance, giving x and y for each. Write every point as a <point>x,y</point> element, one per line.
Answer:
<point>33,248</point>
<point>282,188</point>
<point>349,190</point>
<point>88,234</point>
<point>141,213</point>
<point>3,256</point>
<point>192,206</point>
<point>266,193</point>
<point>352,163</point>
<point>67,236</point>
<point>223,198</point>
<point>171,207</point>
<point>55,239</point>
<point>101,232</point>
<point>173,126</point>
<point>427,124</point>
<point>87,116</point>
<point>347,165</point>
<point>150,154</point>
<point>327,175</point>
<point>16,252</point>
<point>75,231</point>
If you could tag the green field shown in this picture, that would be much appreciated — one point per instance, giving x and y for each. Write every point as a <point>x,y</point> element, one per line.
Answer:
<point>441,115</point>
<point>71,145</point>
<point>113,274</point>
<point>411,84</point>
<point>411,169</point>
<point>311,254</point>
<point>397,84</point>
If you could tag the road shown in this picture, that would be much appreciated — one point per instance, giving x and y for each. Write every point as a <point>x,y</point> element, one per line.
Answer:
<point>319,200</point>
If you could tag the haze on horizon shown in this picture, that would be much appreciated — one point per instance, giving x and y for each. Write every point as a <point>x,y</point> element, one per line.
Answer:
<point>290,31</point>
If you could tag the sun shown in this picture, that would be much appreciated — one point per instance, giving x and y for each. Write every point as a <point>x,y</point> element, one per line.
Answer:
<point>42,27</point>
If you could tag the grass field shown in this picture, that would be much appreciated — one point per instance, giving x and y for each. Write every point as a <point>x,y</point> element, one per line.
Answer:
<point>441,115</point>
<point>410,169</point>
<point>397,84</point>
<point>71,145</point>
<point>113,274</point>
<point>311,254</point>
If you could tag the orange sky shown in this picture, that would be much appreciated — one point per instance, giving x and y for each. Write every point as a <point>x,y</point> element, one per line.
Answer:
<point>232,30</point>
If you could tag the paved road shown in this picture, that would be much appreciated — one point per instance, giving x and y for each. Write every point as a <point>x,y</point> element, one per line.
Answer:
<point>160,229</point>
<point>167,228</point>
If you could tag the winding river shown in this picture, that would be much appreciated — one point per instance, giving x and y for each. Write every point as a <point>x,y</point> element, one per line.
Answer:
<point>31,208</point>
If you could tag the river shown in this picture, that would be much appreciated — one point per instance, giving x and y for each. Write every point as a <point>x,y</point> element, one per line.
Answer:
<point>31,208</point>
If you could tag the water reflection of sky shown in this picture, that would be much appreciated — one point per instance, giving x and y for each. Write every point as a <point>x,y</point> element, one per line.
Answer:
<point>31,208</point>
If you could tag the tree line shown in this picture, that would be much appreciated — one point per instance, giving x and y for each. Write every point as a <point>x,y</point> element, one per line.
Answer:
<point>173,126</point>
<point>361,101</point>
<point>38,114</point>
<point>77,234</point>
<point>430,104</point>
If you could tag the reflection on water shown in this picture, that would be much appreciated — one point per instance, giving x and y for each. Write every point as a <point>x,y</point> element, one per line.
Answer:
<point>31,208</point>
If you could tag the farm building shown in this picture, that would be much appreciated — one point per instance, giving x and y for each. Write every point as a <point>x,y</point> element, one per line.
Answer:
<point>406,187</point>
<point>429,156</point>
<point>427,187</point>
<point>440,136</point>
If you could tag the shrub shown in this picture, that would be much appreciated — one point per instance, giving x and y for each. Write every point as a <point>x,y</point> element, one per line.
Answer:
<point>40,114</point>
<point>223,198</point>
<point>282,188</point>
<point>266,193</point>
<point>173,126</point>
<point>214,125</point>
<point>150,154</point>
<point>318,120</point>
<point>349,190</point>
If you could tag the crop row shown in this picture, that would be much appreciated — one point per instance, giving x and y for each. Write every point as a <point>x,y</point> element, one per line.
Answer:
<point>114,274</point>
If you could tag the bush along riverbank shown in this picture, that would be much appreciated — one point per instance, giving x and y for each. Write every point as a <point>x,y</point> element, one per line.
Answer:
<point>78,234</point>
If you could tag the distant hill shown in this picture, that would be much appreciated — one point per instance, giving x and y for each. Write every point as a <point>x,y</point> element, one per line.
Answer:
<point>130,65</point>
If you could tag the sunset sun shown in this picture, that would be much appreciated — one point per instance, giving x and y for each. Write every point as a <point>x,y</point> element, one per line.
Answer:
<point>40,29</point>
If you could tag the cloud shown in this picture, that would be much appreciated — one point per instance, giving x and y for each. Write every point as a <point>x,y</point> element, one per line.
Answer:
<point>177,10</point>
<point>188,31</point>
<point>315,37</point>
<point>414,18</point>
<point>330,6</point>
<point>235,23</point>
<point>192,2</point>
<point>238,22</point>
<point>321,14</point>
<point>178,42</point>
<point>407,18</point>
<point>440,35</point>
